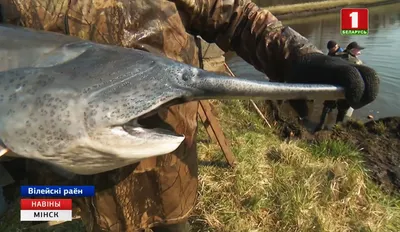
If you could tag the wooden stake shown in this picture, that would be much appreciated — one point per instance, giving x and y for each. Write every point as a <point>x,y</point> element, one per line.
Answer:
<point>252,102</point>
<point>216,132</point>
<point>207,124</point>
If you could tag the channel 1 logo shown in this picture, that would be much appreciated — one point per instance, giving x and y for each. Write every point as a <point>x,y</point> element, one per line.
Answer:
<point>354,21</point>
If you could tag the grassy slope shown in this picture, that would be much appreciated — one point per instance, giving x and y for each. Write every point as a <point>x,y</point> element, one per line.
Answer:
<point>315,6</point>
<point>281,186</point>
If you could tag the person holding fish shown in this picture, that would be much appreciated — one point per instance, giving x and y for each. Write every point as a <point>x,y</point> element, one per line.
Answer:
<point>160,192</point>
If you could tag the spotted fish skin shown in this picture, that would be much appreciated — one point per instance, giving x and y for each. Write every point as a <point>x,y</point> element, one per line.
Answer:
<point>61,100</point>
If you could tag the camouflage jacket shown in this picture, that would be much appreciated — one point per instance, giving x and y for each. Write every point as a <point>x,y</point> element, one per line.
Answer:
<point>163,189</point>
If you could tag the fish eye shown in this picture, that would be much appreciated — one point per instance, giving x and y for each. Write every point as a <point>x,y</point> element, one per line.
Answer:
<point>186,76</point>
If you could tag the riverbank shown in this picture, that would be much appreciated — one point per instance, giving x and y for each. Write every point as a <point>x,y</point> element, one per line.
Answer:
<point>323,7</point>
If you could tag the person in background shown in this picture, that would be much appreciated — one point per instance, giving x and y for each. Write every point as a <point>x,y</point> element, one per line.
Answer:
<point>351,53</point>
<point>333,48</point>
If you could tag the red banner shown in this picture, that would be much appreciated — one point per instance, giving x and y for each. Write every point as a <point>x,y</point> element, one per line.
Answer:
<point>46,204</point>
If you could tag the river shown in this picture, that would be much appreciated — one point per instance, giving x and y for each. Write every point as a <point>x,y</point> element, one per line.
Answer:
<point>382,53</point>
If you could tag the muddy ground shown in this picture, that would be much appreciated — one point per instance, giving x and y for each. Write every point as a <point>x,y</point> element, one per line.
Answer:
<point>380,144</point>
<point>377,140</point>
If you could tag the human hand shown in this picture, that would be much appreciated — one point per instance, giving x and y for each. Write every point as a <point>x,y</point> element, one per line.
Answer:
<point>361,83</point>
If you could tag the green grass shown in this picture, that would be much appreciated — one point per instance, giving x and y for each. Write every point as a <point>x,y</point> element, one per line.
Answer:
<point>333,149</point>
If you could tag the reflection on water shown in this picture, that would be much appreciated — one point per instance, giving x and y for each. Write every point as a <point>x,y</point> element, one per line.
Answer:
<point>382,53</point>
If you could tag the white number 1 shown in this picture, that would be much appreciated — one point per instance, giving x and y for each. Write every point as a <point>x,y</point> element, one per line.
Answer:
<point>354,19</point>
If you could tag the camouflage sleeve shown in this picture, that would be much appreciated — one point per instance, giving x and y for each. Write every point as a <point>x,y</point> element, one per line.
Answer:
<point>255,34</point>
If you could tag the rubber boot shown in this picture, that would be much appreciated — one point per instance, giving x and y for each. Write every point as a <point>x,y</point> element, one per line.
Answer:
<point>344,111</point>
<point>341,115</point>
<point>328,108</point>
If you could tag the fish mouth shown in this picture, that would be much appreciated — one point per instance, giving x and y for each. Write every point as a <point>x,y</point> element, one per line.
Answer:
<point>113,147</point>
<point>149,135</point>
<point>151,123</point>
<point>143,137</point>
